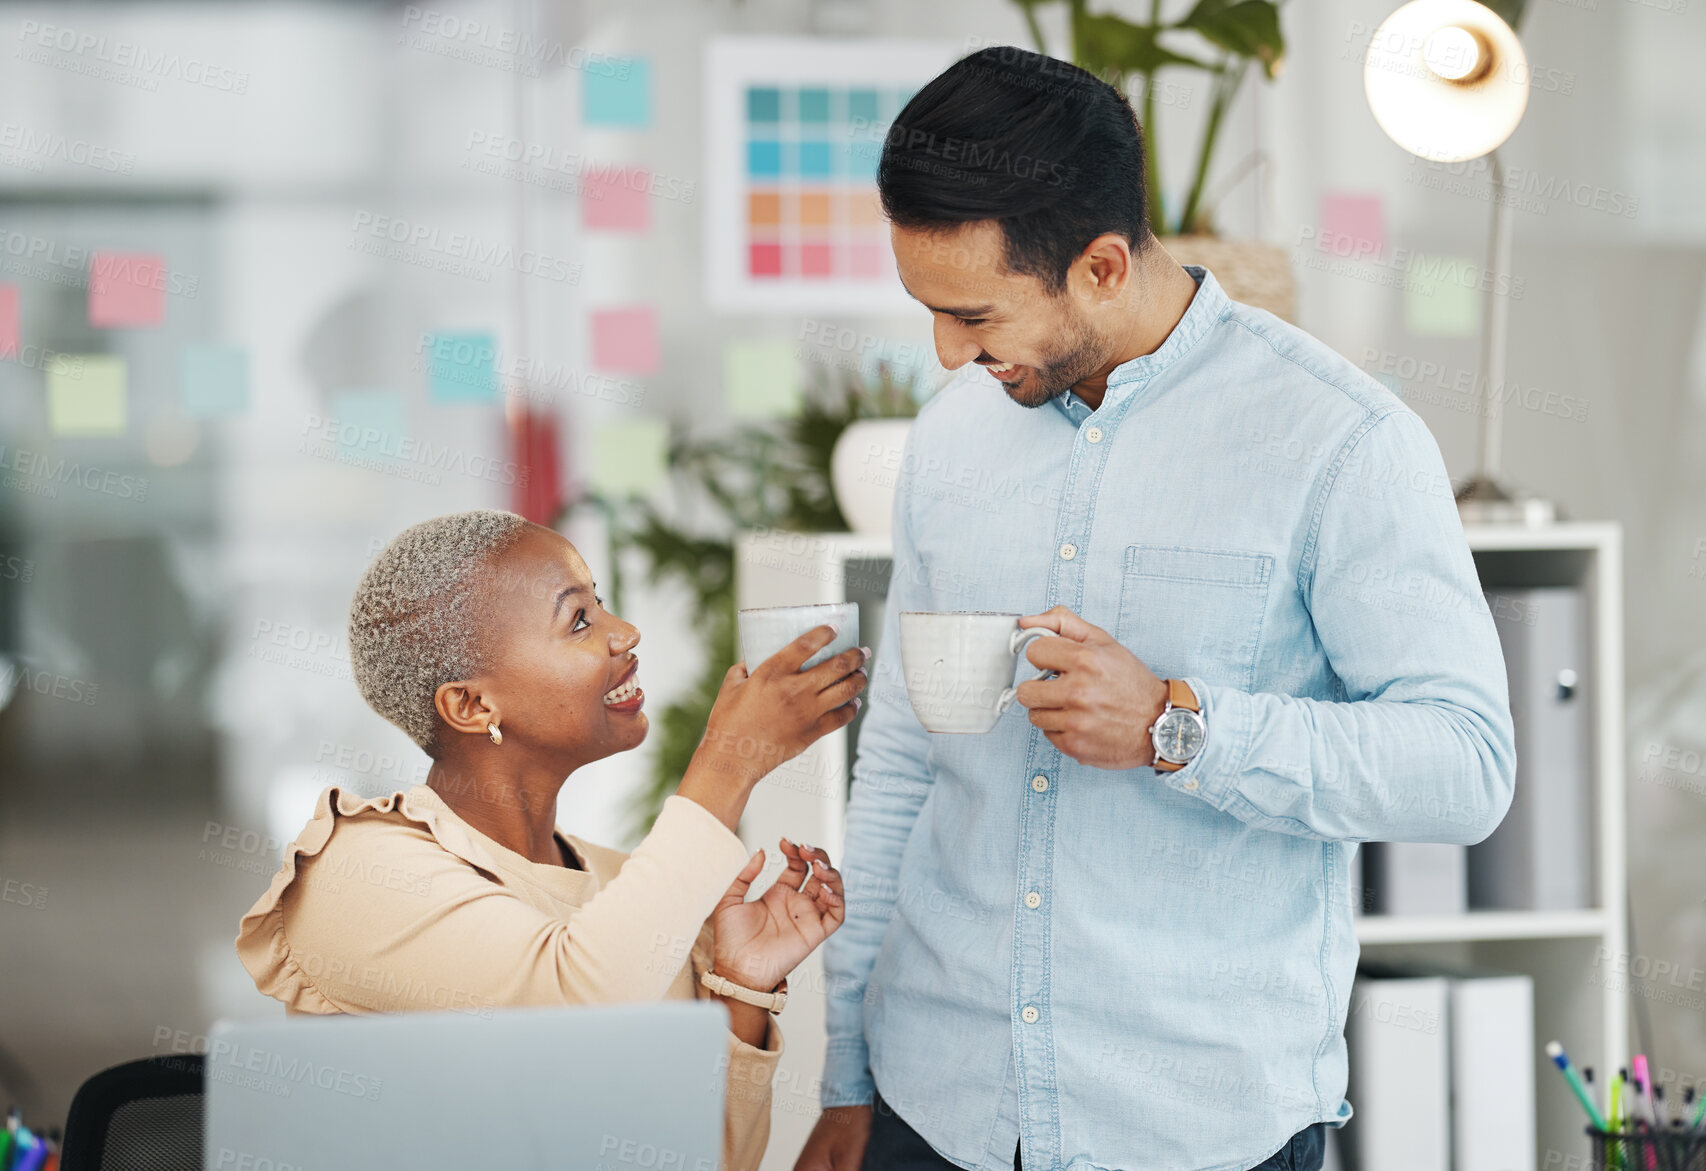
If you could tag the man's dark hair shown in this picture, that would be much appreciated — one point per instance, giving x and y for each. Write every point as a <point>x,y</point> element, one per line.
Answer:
<point>1050,152</point>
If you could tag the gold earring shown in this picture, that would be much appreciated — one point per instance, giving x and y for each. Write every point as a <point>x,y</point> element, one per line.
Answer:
<point>492,731</point>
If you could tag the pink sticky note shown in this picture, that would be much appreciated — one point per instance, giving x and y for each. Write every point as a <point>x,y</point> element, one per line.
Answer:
<point>625,341</point>
<point>126,289</point>
<point>8,321</point>
<point>1353,225</point>
<point>616,200</point>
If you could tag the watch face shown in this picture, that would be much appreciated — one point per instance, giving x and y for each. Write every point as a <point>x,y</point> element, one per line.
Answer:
<point>1179,735</point>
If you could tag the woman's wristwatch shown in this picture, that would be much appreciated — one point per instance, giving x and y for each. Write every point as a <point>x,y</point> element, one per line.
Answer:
<point>723,986</point>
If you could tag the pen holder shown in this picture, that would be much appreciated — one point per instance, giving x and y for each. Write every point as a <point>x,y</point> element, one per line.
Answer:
<point>1653,1150</point>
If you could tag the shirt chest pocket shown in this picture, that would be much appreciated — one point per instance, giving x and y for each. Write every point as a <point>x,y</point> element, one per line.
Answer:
<point>1195,612</point>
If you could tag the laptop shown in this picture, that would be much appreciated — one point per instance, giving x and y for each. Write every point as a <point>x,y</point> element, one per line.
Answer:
<point>569,1089</point>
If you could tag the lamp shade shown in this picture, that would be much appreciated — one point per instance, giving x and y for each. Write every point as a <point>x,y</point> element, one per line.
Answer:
<point>1447,79</point>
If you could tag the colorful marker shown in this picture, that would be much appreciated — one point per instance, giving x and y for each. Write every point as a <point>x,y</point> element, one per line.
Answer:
<point>1562,1060</point>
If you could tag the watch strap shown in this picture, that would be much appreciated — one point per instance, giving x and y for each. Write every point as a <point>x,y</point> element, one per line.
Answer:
<point>1179,694</point>
<point>723,986</point>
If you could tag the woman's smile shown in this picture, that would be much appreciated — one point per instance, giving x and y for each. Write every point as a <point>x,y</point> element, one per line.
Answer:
<point>626,696</point>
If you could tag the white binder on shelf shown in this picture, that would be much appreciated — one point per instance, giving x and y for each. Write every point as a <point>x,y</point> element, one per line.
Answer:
<point>1492,1073</point>
<point>1400,1073</point>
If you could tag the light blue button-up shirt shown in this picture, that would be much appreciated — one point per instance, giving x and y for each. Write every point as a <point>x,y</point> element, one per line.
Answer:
<point>1132,969</point>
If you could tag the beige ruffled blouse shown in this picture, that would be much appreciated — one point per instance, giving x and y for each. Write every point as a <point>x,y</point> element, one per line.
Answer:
<point>395,904</point>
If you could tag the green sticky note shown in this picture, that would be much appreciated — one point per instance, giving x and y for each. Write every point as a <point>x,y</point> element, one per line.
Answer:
<point>761,380</point>
<point>630,457</point>
<point>1442,296</point>
<point>86,394</point>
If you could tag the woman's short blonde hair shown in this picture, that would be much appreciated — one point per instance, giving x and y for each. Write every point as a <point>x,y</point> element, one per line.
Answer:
<point>412,622</point>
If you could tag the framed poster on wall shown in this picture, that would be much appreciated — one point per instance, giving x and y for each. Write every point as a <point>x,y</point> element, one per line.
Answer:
<point>794,127</point>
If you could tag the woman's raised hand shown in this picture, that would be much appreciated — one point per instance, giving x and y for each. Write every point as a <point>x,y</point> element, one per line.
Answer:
<point>769,716</point>
<point>759,942</point>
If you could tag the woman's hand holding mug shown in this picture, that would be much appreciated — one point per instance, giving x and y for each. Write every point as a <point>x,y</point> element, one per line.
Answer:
<point>770,715</point>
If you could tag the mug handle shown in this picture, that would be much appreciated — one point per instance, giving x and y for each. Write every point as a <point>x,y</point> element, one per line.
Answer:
<point>1016,644</point>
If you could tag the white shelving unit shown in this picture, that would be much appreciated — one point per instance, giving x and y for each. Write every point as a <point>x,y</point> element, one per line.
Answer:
<point>1563,951</point>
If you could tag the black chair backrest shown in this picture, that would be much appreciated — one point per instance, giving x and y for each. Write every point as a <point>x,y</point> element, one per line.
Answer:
<point>143,1115</point>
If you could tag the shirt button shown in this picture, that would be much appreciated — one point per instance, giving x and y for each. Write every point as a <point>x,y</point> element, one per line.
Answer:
<point>1068,551</point>
<point>1093,434</point>
<point>1033,900</point>
<point>1029,1016</point>
<point>1039,783</point>
<point>1190,784</point>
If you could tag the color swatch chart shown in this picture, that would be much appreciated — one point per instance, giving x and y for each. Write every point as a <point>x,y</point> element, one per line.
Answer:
<point>811,181</point>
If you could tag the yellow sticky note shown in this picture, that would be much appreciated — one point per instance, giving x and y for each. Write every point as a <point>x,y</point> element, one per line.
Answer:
<point>761,380</point>
<point>1443,297</point>
<point>630,457</point>
<point>86,394</point>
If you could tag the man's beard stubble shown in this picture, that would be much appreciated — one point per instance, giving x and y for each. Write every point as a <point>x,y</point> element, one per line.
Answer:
<point>1080,358</point>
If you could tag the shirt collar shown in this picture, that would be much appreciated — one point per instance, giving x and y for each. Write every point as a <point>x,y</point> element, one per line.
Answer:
<point>1205,309</point>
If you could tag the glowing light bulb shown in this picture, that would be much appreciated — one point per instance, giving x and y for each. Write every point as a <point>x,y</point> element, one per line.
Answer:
<point>1452,52</point>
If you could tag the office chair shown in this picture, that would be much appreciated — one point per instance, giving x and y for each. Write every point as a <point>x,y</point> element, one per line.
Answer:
<point>143,1115</point>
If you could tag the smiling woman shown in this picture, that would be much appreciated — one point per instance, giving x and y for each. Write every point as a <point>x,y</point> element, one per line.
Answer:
<point>482,636</point>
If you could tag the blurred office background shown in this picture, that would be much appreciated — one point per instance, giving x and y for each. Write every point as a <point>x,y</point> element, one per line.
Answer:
<point>307,178</point>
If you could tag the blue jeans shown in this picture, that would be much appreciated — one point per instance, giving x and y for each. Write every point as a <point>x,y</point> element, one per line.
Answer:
<point>895,1146</point>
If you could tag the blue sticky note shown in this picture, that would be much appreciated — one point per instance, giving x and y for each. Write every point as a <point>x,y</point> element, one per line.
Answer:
<point>763,104</point>
<point>763,159</point>
<point>814,159</point>
<point>214,381</point>
<point>371,424</point>
<point>459,367</point>
<point>618,94</point>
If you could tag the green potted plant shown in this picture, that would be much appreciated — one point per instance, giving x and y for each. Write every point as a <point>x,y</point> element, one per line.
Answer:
<point>1223,39</point>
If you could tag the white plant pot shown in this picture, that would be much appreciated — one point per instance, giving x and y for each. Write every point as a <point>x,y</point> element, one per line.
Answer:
<point>863,469</point>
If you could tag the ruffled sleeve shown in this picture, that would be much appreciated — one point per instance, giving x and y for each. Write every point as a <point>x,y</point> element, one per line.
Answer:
<point>391,904</point>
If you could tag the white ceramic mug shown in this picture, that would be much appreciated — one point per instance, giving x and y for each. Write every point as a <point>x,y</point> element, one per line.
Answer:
<point>766,630</point>
<point>959,666</point>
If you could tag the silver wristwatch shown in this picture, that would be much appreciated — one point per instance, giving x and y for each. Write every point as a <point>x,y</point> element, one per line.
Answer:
<point>1179,732</point>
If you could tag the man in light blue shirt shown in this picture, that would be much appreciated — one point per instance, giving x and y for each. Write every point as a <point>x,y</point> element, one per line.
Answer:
<point>1063,950</point>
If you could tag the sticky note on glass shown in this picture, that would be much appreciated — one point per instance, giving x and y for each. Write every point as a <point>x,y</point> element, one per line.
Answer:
<point>127,290</point>
<point>459,367</point>
<point>1442,296</point>
<point>630,457</point>
<point>761,380</point>
<point>214,381</point>
<point>625,341</point>
<point>370,424</point>
<point>1353,226</point>
<point>617,92</point>
<point>9,321</point>
<point>615,199</point>
<point>86,394</point>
